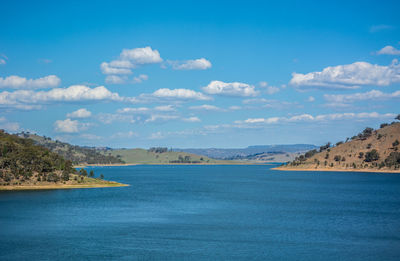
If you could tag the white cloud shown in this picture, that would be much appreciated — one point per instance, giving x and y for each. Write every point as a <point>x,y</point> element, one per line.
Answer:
<point>69,126</point>
<point>140,78</point>
<point>74,93</point>
<point>139,110</point>
<point>9,126</point>
<point>390,50</point>
<point>317,118</point>
<point>197,64</point>
<point>191,119</point>
<point>179,94</point>
<point>81,113</point>
<point>106,68</point>
<point>160,118</point>
<point>349,76</point>
<point>144,55</point>
<point>17,82</point>
<point>230,89</point>
<point>311,99</point>
<point>371,95</point>
<point>206,107</point>
<point>116,79</point>
<point>2,61</point>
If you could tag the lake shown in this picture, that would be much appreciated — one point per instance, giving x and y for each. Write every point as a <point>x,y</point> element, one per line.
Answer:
<point>207,213</point>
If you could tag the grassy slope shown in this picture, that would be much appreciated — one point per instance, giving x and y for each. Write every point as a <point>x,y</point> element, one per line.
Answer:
<point>350,150</point>
<point>142,156</point>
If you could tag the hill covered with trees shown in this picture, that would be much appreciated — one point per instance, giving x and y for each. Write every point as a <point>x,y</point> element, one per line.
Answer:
<point>370,150</point>
<point>23,164</point>
<point>76,154</point>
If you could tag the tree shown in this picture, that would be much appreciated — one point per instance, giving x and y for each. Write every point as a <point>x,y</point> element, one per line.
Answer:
<point>91,174</point>
<point>397,117</point>
<point>101,176</point>
<point>337,158</point>
<point>371,156</point>
<point>395,143</point>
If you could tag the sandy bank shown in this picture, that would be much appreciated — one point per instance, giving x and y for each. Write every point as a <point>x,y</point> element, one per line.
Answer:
<point>62,186</point>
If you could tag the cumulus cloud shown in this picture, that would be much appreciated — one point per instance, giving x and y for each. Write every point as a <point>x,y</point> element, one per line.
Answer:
<point>9,126</point>
<point>81,113</point>
<point>144,55</point>
<point>311,99</point>
<point>17,82</point>
<point>74,93</point>
<point>197,64</point>
<point>179,94</point>
<point>371,95</point>
<point>349,76</point>
<point>2,61</point>
<point>230,89</point>
<point>390,50</point>
<point>69,126</point>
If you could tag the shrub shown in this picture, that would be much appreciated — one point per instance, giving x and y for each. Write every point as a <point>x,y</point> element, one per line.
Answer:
<point>371,156</point>
<point>337,158</point>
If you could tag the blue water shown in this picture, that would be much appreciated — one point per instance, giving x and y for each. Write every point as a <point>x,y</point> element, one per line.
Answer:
<point>208,213</point>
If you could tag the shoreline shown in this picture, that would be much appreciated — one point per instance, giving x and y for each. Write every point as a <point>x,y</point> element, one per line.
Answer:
<point>185,164</point>
<point>61,186</point>
<point>336,170</point>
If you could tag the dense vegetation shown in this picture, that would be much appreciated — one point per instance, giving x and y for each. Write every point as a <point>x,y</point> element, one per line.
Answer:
<point>22,160</point>
<point>75,154</point>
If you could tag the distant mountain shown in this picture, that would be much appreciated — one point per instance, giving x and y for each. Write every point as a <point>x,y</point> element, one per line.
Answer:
<point>246,153</point>
<point>73,153</point>
<point>370,150</point>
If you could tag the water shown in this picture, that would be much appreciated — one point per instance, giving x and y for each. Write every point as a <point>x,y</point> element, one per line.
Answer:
<point>208,213</point>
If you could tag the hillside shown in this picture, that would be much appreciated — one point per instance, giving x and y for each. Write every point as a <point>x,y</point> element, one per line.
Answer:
<point>370,150</point>
<point>24,165</point>
<point>276,153</point>
<point>161,156</point>
<point>76,154</point>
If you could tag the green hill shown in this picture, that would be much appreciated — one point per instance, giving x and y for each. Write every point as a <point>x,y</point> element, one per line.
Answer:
<point>161,156</point>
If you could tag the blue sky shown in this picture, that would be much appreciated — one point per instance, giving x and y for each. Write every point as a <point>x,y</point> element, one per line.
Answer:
<point>198,74</point>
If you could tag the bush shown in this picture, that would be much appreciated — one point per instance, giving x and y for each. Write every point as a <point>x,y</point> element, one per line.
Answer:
<point>337,158</point>
<point>395,143</point>
<point>371,156</point>
<point>383,125</point>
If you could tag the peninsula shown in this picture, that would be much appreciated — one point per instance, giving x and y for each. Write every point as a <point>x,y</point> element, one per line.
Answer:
<point>26,166</point>
<point>369,151</point>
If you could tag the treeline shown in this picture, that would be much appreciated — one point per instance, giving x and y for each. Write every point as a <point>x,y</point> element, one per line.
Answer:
<point>158,149</point>
<point>186,159</point>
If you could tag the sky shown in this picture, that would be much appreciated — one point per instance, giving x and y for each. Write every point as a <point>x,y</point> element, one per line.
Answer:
<point>198,74</point>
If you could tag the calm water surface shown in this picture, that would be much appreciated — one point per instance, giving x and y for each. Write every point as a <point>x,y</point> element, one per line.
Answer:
<point>207,213</point>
